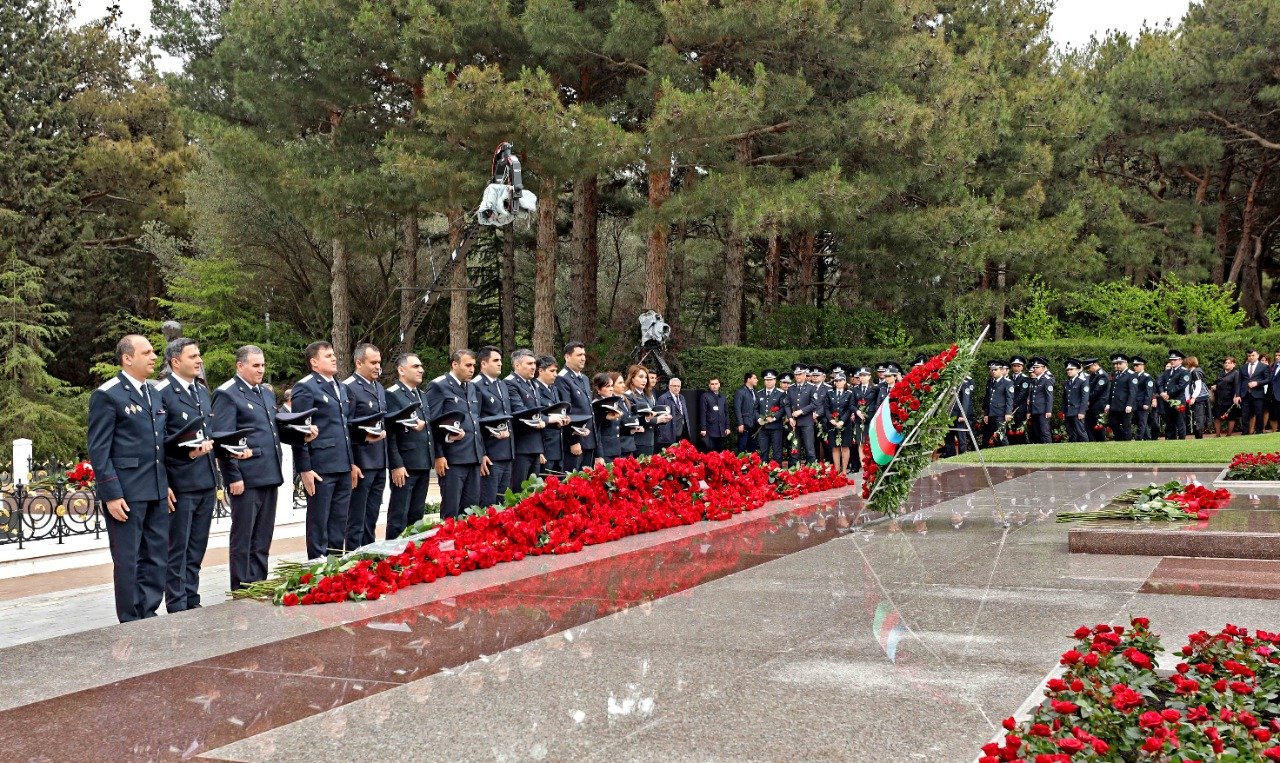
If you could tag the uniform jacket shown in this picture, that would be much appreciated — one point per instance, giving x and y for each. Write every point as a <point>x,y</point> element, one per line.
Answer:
<point>552,437</point>
<point>524,397</point>
<point>444,395</point>
<point>187,475</point>
<point>1075,400</point>
<point>677,428</point>
<point>608,434</point>
<point>998,401</point>
<point>126,442</point>
<point>1146,391</point>
<point>1040,400</point>
<point>1099,391</point>
<point>766,400</point>
<point>406,448</point>
<point>1124,391</point>
<point>236,405</point>
<point>963,405</point>
<point>1021,393</point>
<point>495,401</point>
<point>713,413</point>
<point>331,451</point>
<point>365,397</point>
<point>841,404</point>
<point>575,390</point>
<point>645,438</point>
<point>801,397</point>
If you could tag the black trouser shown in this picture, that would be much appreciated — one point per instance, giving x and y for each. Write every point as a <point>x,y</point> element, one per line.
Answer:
<point>955,443</point>
<point>139,555</point>
<point>805,436</point>
<point>1251,409</point>
<point>1142,424</point>
<point>715,443</point>
<point>1175,424</point>
<point>771,445</point>
<point>1153,423</point>
<point>188,538</point>
<point>551,466</point>
<point>644,448</point>
<point>1119,421</point>
<point>524,465</point>
<point>989,430</point>
<point>459,489</point>
<point>366,504</point>
<point>408,503</point>
<point>327,513</point>
<point>1091,421</point>
<point>747,440</point>
<point>574,463</point>
<point>1039,429</point>
<point>1198,416</point>
<point>493,486</point>
<point>253,521</point>
<point>1076,431</point>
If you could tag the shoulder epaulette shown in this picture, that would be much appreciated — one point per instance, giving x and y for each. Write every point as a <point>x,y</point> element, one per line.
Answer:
<point>349,380</point>
<point>162,384</point>
<point>110,383</point>
<point>393,387</point>
<point>439,378</point>
<point>228,384</point>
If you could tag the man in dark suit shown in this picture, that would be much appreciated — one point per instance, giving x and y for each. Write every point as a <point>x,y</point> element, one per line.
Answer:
<point>244,402</point>
<point>1251,393</point>
<point>771,405</point>
<point>677,428</point>
<point>366,396</point>
<point>1075,402</point>
<point>327,464</point>
<point>495,400</point>
<point>408,448</point>
<point>713,416</point>
<point>552,436</point>
<point>524,404</point>
<point>191,470</point>
<point>1123,398</point>
<point>744,410</point>
<point>126,448</point>
<point>801,405</point>
<point>1021,397</point>
<point>461,461</point>
<point>866,399</point>
<point>574,388</point>
<point>1099,398</point>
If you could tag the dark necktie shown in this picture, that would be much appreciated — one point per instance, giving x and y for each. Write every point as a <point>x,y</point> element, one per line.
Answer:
<point>191,390</point>
<point>146,394</point>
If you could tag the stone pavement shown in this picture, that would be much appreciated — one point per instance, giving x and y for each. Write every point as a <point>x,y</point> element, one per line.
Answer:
<point>803,631</point>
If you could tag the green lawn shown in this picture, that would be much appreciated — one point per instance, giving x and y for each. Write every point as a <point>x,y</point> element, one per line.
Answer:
<point>1216,450</point>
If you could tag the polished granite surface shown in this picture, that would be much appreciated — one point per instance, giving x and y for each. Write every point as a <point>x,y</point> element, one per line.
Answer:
<point>807,627</point>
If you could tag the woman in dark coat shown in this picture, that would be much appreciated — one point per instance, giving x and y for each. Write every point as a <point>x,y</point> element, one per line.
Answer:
<point>1225,411</point>
<point>641,398</point>
<point>608,422</point>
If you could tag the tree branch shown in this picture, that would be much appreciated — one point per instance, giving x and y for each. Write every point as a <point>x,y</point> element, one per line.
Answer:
<point>111,241</point>
<point>1245,131</point>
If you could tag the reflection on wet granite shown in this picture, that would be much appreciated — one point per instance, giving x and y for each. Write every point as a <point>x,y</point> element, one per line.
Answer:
<point>1235,578</point>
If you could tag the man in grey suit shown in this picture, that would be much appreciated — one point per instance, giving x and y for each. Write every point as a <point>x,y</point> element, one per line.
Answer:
<point>677,428</point>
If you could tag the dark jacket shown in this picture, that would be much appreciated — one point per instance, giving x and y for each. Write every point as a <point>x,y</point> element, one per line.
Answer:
<point>1021,393</point>
<point>1040,401</point>
<point>998,400</point>
<point>1261,373</point>
<point>407,448</point>
<point>963,406</point>
<point>608,434</point>
<point>713,414</point>
<point>1146,391</point>
<point>524,397</point>
<point>186,474</point>
<point>1075,398</point>
<point>575,389</point>
<point>331,451</point>
<point>236,405</point>
<point>744,408</point>
<point>495,401</point>
<point>552,436</point>
<point>801,397</point>
<point>1124,391</point>
<point>643,439</point>
<point>1099,391</point>
<point>1225,388</point>
<point>365,397</point>
<point>766,401</point>
<point>444,395</point>
<point>677,428</point>
<point>126,442</point>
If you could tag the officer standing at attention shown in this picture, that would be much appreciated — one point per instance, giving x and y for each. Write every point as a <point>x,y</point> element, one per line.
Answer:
<point>524,410</point>
<point>461,461</point>
<point>1040,403</point>
<point>191,470</point>
<point>997,404</point>
<point>366,396</point>
<point>1099,397</point>
<point>1176,381</point>
<point>126,448</point>
<point>1075,402</point>
<point>1021,396</point>
<point>253,479</point>
<point>494,401</point>
<point>1124,391</point>
<point>713,413</point>
<point>800,408</point>
<point>574,388</point>
<point>552,436</point>
<point>326,465</point>
<point>744,411</point>
<point>957,438</point>
<point>1145,400</point>
<point>408,448</point>
<point>771,408</point>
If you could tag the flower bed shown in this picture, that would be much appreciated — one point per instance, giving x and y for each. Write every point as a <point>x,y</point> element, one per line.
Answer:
<point>1254,467</point>
<point>1110,704</point>
<point>1171,502</point>
<point>679,486</point>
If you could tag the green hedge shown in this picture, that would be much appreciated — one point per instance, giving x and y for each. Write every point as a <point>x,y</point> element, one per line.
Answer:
<point>730,363</point>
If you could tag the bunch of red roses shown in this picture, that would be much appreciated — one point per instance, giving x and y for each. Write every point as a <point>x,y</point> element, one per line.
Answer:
<point>1254,466</point>
<point>679,486</point>
<point>1110,704</point>
<point>81,475</point>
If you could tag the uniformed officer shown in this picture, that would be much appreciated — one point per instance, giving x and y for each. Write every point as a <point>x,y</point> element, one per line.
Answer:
<point>1174,391</point>
<point>801,406</point>
<point>253,480</point>
<point>770,413</point>
<point>1075,402</point>
<point>997,404</point>
<point>191,469</point>
<point>818,383</point>
<point>957,439</point>
<point>1144,398</point>
<point>644,404</point>
<point>866,399</point>
<point>837,418</point>
<point>744,412</point>
<point>409,449</point>
<point>495,400</point>
<point>528,421</point>
<point>1021,397</point>
<point>1040,403</point>
<point>1123,397</point>
<point>126,441</point>
<point>461,461</point>
<point>574,388</point>
<point>713,417</point>
<point>326,464</point>
<point>366,396</point>
<point>552,436</point>
<point>1099,397</point>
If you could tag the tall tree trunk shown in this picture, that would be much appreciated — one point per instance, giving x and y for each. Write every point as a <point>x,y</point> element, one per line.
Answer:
<point>340,296</point>
<point>1251,300</point>
<point>655,297</point>
<point>459,289</point>
<point>1248,220</point>
<point>735,266</point>
<point>586,259</point>
<point>1220,248</point>
<point>802,249</point>
<point>407,273</point>
<point>772,272</point>
<point>677,265</point>
<point>1001,282</point>
<point>544,286</point>
<point>507,278</point>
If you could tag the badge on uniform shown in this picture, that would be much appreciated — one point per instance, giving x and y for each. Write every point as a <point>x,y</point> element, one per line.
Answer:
<point>324,398</point>
<point>715,407</point>
<point>184,415</point>
<point>251,406</point>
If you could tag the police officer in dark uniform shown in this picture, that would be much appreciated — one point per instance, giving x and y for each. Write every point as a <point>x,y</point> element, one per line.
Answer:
<point>1021,397</point>
<point>527,419</point>
<point>1123,397</point>
<point>366,396</point>
<point>1145,400</point>
<point>957,439</point>
<point>997,404</point>
<point>771,408</point>
<point>574,388</point>
<point>254,478</point>
<point>326,464</point>
<point>713,414</point>
<point>865,401</point>
<point>126,447</point>
<point>495,400</point>
<point>408,447</point>
<point>1099,396</point>
<point>191,469</point>
<point>461,461</point>
<point>1040,403</point>
<point>552,437</point>
<point>744,411</point>
<point>800,408</point>
<point>1075,402</point>
<point>1174,390</point>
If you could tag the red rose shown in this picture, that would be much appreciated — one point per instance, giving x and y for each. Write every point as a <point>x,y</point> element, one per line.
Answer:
<point>1064,707</point>
<point>290,599</point>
